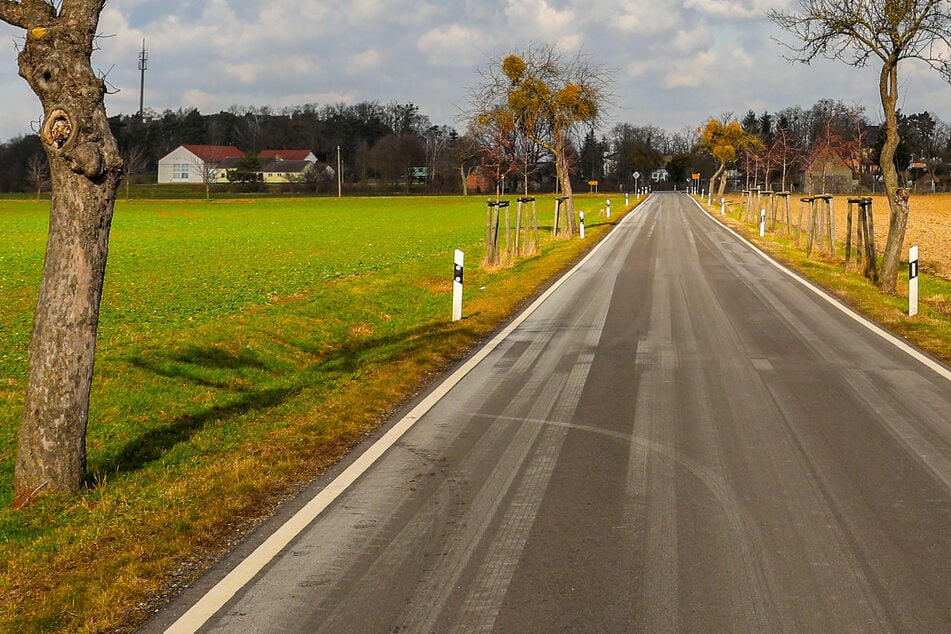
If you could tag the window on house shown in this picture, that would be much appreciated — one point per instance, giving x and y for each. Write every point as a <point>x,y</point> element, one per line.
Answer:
<point>180,172</point>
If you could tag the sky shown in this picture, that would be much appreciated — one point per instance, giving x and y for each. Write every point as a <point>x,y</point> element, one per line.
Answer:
<point>671,64</point>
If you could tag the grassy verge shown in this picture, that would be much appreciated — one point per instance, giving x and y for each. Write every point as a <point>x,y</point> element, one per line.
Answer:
<point>929,330</point>
<point>244,347</point>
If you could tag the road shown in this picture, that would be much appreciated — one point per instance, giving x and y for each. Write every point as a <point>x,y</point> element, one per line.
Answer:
<point>681,437</point>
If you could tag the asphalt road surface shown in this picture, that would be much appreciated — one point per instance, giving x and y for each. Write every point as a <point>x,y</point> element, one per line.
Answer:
<point>681,437</point>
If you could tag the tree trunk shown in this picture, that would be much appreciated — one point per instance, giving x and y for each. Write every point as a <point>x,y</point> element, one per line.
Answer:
<point>84,167</point>
<point>897,204</point>
<point>563,172</point>
<point>721,173</point>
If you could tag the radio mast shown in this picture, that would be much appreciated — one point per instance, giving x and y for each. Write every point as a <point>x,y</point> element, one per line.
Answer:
<point>143,64</point>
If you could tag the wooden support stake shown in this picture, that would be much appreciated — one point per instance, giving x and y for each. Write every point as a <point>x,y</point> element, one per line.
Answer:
<point>788,215</point>
<point>848,232</point>
<point>871,263</point>
<point>813,227</point>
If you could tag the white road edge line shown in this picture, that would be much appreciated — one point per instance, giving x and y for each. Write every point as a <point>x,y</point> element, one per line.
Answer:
<point>231,584</point>
<point>902,345</point>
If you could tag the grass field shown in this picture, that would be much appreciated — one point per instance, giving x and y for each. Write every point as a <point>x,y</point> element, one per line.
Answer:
<point>244,345</point>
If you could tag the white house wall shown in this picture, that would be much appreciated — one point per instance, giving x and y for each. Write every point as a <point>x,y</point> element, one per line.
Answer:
<point>179,156</point>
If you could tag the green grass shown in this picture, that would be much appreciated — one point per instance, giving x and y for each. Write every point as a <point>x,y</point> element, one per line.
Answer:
<point>244,346</point>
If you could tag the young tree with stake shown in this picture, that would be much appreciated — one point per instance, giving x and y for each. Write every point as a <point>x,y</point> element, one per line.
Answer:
<point>890,31</point>
<point>548,96</point>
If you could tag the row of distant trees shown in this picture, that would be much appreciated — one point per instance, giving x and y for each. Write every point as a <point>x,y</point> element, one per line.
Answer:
<point>377,141</point>
<point>783,144</point>
<point>384,143</point>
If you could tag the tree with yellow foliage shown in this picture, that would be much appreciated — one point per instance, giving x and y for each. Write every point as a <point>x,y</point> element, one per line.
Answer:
<point>725,142</point>
<point>548,96</point>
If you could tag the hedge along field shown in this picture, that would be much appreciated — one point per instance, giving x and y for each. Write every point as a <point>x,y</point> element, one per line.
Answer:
<point>243,347</point>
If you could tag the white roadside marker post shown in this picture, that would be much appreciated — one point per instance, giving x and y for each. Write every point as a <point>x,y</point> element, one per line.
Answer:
<point>582,224</point>
<point>723,206</point>
<point>609,207</point>
<point>554,228</point>
<point>762,222</point>
<point>459,261</point>
<point>913,281</point>
<point>627,200</point>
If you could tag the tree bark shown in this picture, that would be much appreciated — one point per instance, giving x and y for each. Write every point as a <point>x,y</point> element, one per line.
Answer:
<point>563,172</point>
<point>85,168</point>
<point>897,204</point>
<point>721,174</point>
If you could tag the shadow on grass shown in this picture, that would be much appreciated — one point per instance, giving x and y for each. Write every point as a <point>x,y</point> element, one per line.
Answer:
<point>207,366</point>
<point>263,388</point>
<point>154,443</point>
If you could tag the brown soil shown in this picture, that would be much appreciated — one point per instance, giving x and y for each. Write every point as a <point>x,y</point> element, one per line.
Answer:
<point>929,227</point>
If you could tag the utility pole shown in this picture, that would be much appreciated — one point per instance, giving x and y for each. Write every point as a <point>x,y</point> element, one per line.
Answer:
<point>339,175</point>
<point>143,64</point>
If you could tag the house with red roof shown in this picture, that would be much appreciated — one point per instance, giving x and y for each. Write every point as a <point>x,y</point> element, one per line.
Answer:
<point>195,163</point>
<point>288,155</point>
<point>209,163</point>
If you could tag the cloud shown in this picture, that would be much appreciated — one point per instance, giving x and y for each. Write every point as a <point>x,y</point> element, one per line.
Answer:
<point>364,61</point>
<point>538,20</point>
<point>678,62</point>
<point>201,100</point>
<point>453,46</point>
<point>639,67</point>
<point>644,17</point>
<point>693,40</point>
<point>692,72</point>
<point>734,9</point>
<point>740,58</point>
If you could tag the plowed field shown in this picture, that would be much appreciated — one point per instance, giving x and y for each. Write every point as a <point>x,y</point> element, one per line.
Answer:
<point>929,227</point>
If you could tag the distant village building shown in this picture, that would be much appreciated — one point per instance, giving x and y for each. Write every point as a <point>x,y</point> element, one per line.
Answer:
<point>284,171</point>
<point>288,155</point>
<point>211,163</point>
<point>478,181</point>
<point>194,163</point>
<point>829,173</point>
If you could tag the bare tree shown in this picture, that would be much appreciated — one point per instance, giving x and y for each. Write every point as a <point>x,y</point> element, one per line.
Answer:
<point>250,127</point>
<point>133,163</point>
<point>890,31</point>
<point>786,154</point>
<point>208,166</point>
<point>496,136</point>
<point>84,168</point>
<point>438,139</point>
<point>466,154</point>
<point>38,173</point>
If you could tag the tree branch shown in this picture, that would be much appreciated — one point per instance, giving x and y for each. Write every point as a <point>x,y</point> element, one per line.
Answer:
<point>27,13</point>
